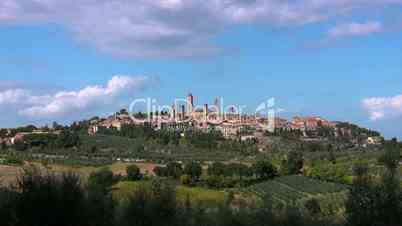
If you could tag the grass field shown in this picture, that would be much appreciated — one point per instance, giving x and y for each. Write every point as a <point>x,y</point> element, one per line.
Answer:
<point>197,195</point>
<point>9,174</point>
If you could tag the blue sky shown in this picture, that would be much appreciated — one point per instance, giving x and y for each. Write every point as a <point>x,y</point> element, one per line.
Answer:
<point>66,61</point>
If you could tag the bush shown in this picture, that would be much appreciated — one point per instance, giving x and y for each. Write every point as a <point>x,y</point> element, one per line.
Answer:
<point>215,181</point>
<point>216,169</point>
<point>160,171</point>
<point>8,206</point>
<point>133,173</point>
<point>293,163</point>
<point>185,179</point>
<point>194,170</point>
<point>265,170</point>
<point>312,206</point>
<point>103,179</point>
<point>147,207</point>
<point>13,160</point>
<point>20,145</point>
<point>48,200</point>
<point>174,169</point>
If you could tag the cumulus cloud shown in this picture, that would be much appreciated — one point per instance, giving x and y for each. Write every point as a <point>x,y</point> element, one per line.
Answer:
<point>64,103</point>
<point>355,29</point>
<point>170,28</point>
<point>383,107</point>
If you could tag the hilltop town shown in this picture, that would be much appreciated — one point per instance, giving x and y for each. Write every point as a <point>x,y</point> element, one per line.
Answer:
<point>231,124</point>
<point>234,125</point>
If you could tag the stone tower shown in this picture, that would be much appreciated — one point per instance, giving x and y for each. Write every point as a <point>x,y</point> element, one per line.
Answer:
<point>190,104</point>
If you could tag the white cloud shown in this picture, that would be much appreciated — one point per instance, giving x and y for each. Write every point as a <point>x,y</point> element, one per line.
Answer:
<point>171,28</point>
<point>383,107</point>
<point>64,103</point>
<point>355,29</point>
<point>12,96</point>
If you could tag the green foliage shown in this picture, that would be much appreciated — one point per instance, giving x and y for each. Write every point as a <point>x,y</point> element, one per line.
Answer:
<point>151,208</point>
<point>194,170</point>
<point>265,170</point>
<point>328,171</point>
<point>160,171</point>
<point>174,170</point>
<point>103,179</point>
<point>133,173</point>
<point>47,200</point>
<point>207,140</point>
<point>3,146</point>
<point>295,189</point>
<point>50,199</point>
<point>237,169</point>
<point>68,139</point>
<point>146,132</point>
<point>313,206</point>
<point>372,203</point>
<point>41,140</point>
<point>215,181</point>
<point>391,156</point>
<point>293,163</point>
<point>8,205</point>
<point>185,179</point>
<point>20,145</point>
<point>216,169</point>
<point>14,160</point>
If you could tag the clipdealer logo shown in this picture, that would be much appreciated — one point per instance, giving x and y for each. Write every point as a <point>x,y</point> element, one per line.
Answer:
<point>183,110</point>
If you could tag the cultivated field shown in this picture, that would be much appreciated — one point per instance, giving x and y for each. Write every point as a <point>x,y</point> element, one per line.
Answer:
<point>197,195</point>
<point>296,190</point>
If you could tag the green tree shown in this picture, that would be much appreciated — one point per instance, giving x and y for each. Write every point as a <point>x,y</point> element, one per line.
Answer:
<point>133,173</point>
<point>293,163</point>
<point>160,171</point>
<point>264,170</point>
<point>174,169</point>
<point>216,169</point>
<point>360,205</point>
<point>3,146</point>
<point>194,170</point>
<point>20,145</point>
<point>50,199</point>
<point>185,179</point>
<point>331,156</point>
<point>390,203</point>
<point>8,204</point>
<point>68,139</point>
<point>103,179</point>
<point>313,206</point>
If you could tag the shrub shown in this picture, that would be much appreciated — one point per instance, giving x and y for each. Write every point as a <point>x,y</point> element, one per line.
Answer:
<point>293,163</point>
<point>264,170</point>
<point>312,206</point>
<point>215,181</point>
<point>194,170</point>
<point>216,169</point>
<point>103,179</point>
<point>160,171</point>
<point>48,200</point>
<point>174,169</point>
<point>185,179</point>
<point>133,173</point>
<point>8,205</point>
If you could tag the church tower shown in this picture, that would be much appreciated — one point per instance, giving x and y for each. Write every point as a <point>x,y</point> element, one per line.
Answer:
<point>190,104</point>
